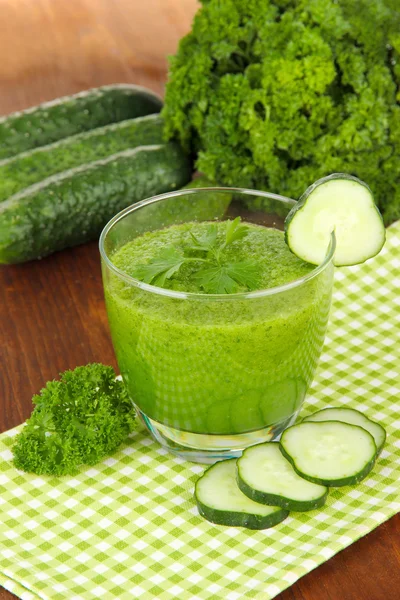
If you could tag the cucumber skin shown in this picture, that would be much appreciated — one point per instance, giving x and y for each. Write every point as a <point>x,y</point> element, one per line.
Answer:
<point>353,480</point>
<point>274,500</point>
<point>237,519</point>
<point>69,115</point>
<point>303,198</point>
<point>332,177</point>
<point>378,448</point>
<point>23,170</point>
<point>72,208</point>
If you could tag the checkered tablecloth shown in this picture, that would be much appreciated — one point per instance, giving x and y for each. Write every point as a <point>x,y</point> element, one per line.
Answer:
<point>129,528</point>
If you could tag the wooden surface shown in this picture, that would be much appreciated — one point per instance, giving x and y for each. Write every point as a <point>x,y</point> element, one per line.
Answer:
<point>52,314</point>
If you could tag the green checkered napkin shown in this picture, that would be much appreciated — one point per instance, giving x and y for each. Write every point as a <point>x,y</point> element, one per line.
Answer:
<point>129,528</point>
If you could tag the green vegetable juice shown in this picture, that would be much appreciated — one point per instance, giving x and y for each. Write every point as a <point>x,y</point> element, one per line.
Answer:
<point>218,365</point>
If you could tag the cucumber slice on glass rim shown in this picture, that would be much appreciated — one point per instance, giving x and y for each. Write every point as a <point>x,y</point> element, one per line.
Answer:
<point>340,203</point>
<point>330,453</point>
<point>354,417</point>
<point>220,501</point>
<point>265,476</point>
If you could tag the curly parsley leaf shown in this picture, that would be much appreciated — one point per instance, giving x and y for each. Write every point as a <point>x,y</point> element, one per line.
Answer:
<point>226,279</point>
<point>338,110</point>
<point>76,421</point>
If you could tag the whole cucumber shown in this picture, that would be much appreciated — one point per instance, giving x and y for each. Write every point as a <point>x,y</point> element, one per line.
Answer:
<point>200,207</point>
<point>72,207</point>
<point>23,170</point>
<point>69,115</point>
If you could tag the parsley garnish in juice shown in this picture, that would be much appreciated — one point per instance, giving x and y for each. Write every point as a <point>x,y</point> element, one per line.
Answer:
<point>215,273</point>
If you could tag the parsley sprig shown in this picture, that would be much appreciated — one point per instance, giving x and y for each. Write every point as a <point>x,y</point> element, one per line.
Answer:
<point>76,421</point>
<point>215,274</point>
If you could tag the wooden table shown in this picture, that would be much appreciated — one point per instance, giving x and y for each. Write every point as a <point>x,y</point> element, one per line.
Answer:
<point>52,314</point>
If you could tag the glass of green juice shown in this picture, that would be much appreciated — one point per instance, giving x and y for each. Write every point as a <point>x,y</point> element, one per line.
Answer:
<point>211,374</point>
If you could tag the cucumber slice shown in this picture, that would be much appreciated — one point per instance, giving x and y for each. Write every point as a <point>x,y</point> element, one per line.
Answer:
<point>219,418</point>
<point>246,414</point>
<point>220,501</point>
<point>354,417</point>
<point>340,203</point>
<point>329,452</point>
<point>279,401</point>
<point>265,476</point>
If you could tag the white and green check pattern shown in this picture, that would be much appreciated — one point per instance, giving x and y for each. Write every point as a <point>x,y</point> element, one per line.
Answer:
<point>129,528</point>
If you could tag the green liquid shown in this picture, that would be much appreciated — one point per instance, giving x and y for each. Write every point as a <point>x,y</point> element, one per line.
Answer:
<point>218,367</point>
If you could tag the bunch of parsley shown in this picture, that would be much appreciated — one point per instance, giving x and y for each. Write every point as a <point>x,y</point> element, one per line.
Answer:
<point>274,94</point>
<point>76,421</point>
<point>214,274</point>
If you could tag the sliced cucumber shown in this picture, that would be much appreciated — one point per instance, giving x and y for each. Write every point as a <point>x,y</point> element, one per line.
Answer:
<point>265,476</point>
<point>220,501</point>
<point>219,418</point>
<point>329,452</point>
<point>245,412</point>
<point>279,401</point>
<point>354,417</point>
<point>340,203</point>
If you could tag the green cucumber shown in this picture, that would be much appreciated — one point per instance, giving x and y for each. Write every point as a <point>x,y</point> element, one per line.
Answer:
<point>219,418</point>
<point>245,412</point>
<point>23,170</point>
<point>265,476</point>
<point>329,453</point>
<point>220,501</point>
<point>354,417</point>
<point>185,207</point>
<point>208,207</point>
<point>340,203</point>
<point>72,207</point>
<point>279,401</point>
<point>52,121</point>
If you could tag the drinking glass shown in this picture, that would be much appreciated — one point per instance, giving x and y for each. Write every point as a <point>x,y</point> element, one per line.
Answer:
<point>208,374</point>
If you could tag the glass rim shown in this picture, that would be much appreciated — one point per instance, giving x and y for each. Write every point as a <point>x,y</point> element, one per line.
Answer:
<point>209,297</point>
